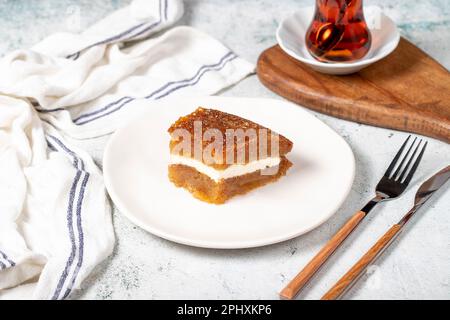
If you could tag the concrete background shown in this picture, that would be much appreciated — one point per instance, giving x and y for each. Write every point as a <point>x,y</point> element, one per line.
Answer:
<point>146,267</point>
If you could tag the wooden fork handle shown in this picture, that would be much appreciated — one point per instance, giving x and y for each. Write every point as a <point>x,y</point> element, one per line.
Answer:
<point>357,270</point>
<point>296,284</point>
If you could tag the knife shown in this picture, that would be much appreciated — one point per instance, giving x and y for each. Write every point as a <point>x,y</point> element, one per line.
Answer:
<point>426,190</point>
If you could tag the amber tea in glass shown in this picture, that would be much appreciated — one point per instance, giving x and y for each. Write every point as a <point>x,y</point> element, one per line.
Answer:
<point>339,32</point>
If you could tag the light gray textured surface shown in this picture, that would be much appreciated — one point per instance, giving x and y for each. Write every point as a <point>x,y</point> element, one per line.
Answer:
<point>146,267</point>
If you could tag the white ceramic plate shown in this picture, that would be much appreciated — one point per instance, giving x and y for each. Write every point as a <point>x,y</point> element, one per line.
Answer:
<point>135,171</point>
<point>291,38</point>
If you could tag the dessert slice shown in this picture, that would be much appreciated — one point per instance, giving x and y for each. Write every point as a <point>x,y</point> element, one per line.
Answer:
<point>216,155</point>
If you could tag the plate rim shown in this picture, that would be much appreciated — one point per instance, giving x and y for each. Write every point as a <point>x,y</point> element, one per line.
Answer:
<point>214,244</point>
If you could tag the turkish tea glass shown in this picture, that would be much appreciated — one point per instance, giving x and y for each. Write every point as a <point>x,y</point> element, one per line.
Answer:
<point>338,32</point>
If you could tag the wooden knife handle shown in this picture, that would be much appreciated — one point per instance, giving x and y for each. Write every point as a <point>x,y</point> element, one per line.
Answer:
<point>296,284</point>
<point>356,271</point>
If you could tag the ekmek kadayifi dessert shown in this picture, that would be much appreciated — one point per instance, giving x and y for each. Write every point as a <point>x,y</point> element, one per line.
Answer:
<point>216,155</point>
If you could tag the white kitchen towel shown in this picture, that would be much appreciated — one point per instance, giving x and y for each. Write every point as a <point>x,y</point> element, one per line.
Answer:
<point>55,223</point>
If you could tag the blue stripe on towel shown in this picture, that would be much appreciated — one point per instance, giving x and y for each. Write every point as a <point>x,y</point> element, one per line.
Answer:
<point>166,8</point>
<point>199,73</point>
<point>7,260</point>
<point>75,248</point>
<point>224,61</point>
<point>80,237</point>
<point>69,261</point>
<point>164,91</point>
<point>109,105</point>
<point>76,55</point>
<point>162,7</point>
<point>75,158</point>
<point>150,27</point>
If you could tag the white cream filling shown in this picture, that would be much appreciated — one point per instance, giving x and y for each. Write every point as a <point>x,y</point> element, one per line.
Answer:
<point>230,172</point>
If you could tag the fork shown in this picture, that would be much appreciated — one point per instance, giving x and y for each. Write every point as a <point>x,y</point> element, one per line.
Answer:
<point>391,186</point>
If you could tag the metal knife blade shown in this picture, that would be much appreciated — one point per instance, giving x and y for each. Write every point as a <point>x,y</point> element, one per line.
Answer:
<point>426,190</point>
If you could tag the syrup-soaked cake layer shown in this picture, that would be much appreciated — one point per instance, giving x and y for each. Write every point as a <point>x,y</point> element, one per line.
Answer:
<point>222,121</point>
<point>206,189</point>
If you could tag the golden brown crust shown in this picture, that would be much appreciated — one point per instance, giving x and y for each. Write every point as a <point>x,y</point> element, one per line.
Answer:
<point>222,121</point>
<point>206,189</point>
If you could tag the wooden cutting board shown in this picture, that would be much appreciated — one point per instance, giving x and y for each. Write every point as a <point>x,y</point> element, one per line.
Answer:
<point>406,91</point>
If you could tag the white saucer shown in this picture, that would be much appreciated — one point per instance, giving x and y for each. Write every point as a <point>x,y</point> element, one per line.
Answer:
<point>135,171</point>
<point>292,31</point>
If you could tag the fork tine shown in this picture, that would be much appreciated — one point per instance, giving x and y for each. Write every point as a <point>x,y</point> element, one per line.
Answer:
<point>405,157</point>
<point>414,167</point>
<point>397,156</point>
<point>405,169</point>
